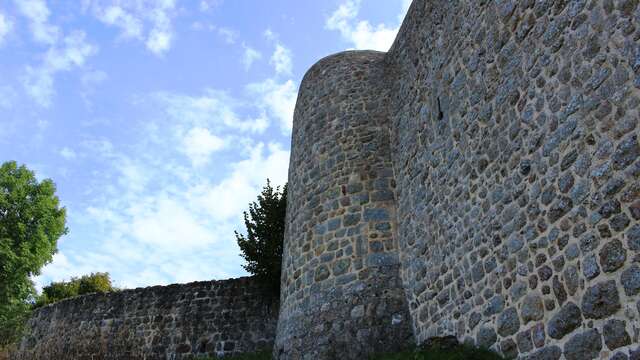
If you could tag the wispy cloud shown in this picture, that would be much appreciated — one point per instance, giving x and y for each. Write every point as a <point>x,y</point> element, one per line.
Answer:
<point>71,53</point>
<point>5,27</point>
<point>250,56</point>
<point>67,153</point>
<point>361,33</point>
<point>229,35</point>
<point>213,109</point>
<point>207,5</point>
<point>148,21</point>
<point>278,99</point>
<point>281,60</point>
<point>199,143</point>
<point>159,220</point>
<point>37,12</point>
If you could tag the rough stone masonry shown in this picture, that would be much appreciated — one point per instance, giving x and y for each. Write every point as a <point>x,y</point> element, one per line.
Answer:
<point>185,321</point>
<point>481,179</point>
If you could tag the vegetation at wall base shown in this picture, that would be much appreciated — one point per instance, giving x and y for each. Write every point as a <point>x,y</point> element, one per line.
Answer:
<point>458,352</point>
<point>262,246</point>
<point>260,355</point>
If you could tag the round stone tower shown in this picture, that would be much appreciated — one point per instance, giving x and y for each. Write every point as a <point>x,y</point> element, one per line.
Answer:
<point>341,295</point>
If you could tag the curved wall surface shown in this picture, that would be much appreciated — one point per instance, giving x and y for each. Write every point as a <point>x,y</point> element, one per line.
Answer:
<point>341,291</point>
<point>161,322</point>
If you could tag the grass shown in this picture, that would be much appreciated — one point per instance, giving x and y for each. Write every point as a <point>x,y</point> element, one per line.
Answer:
<point>458,353</point>
<point>261,355</point>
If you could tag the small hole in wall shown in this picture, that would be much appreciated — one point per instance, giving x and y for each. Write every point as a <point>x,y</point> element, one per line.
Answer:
<point>440,114</point>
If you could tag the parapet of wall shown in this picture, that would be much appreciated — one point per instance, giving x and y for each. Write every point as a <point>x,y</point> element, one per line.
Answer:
<point>515,148</point>
<point>161,322</point>
<point>504,135</point>
<point>341,292</point>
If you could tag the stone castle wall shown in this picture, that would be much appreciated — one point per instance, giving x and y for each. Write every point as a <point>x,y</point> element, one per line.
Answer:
<point>506,133</point>
<point>341,291</point>
<point>481,180</point>
<point>161,322</point>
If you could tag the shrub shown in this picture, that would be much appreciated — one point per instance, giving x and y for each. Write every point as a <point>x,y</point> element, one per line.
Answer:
<point>87,284</point>
<point>262,246</point>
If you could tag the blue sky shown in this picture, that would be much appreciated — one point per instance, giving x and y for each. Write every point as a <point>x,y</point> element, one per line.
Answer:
<point>160,120</point>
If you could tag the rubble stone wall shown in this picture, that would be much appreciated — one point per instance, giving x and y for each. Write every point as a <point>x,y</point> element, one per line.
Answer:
<point>183,321</point>
<point>341,292</point>
<point>511,128</point>
<point>516,157</point>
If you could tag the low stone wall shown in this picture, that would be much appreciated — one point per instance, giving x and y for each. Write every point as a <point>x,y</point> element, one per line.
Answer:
<point>161,322</point>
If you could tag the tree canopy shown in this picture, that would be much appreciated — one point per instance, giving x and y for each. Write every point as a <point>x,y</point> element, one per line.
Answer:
<point>31,222</point>
<point>262,245</point>
<point>87,284</point>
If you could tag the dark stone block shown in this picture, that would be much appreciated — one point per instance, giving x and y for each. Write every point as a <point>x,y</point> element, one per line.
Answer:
<point>601,300</point>
<point>546,353</point>
<point>486,337</point>
<point>612,256</point>
<point>583,346</point>
<point>508,322</point>
<point>565,321</point>
<point>630,280</point>
<point>615,334</point>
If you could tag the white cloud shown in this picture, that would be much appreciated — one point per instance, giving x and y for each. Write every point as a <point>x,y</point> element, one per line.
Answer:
<point>148,21</point>
<point>67,153</point>
<point>243,183</point>
<point>228,35</point>
<point>281,60</point>
<point>72,53</point>
<point>250,56</point>
<point>131,26</point>
<point>279,99</point>
<point>270,35</point>
<point>38,14</point>
<point>161,35</point>
<point>213,109</point>
<point>206,5</point>
<point>168,230</point>
<point>165,222</point>
<point>5,27</point>
<point>199,144</point>
<point>361,33</point>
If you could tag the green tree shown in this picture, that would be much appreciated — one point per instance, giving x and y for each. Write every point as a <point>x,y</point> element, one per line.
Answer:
<point>87,284</point>
<point>262,246</point>
<point>95,283</point>
<point>31,222</point>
